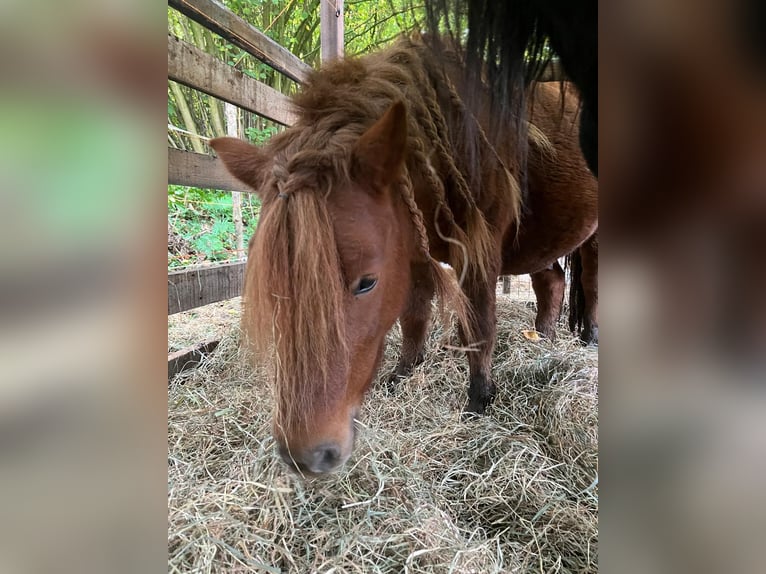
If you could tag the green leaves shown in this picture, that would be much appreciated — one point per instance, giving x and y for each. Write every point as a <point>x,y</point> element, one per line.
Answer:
<point>260,136</point>
<point>201,225</point>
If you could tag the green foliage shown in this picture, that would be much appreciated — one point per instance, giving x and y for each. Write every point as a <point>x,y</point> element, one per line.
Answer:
<point>201,226</point>
<point>260,136</point>
<point>372,24</point>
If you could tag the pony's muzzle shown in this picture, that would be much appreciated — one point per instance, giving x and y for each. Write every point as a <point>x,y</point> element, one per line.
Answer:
<point>320,460</point>
<point>327,452</point>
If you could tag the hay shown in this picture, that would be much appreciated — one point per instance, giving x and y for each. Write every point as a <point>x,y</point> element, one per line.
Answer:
<point>212,321</point>
<point>515,491</point>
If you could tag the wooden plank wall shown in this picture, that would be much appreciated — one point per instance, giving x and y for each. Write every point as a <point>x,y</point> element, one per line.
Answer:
<point>201,71</point>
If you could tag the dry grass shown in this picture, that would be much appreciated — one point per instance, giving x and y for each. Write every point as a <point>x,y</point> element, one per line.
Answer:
<point>515,491</point>
<point>210,321</point>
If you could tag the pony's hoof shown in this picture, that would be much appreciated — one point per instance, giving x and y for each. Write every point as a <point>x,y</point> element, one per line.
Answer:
<point>393,381</point>
<point>476,408</point>
<point>546,331</point>
<point>590,337</point>
<point>481,394</point>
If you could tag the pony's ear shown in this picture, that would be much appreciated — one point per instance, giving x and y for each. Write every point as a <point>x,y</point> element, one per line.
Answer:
<point>379,153</point>
<point>243,160</point>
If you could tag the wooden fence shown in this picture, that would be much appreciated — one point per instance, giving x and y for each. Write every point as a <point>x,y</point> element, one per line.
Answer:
<point>192,67</point>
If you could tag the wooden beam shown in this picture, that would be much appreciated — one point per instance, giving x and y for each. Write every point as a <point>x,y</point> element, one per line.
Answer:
<point>219,19</point>
<point>201,170</point>
<point>190,357</point>
<point>189,289</point>
<point>331,29</point>
<point>192,67</point>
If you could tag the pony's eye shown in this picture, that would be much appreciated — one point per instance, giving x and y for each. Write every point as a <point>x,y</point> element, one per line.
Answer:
<point>366,284</point>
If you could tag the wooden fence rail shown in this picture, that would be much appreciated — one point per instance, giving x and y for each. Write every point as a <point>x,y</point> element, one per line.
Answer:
<point>188,289</point>
<point>219,19</point>
<point>192,67</point>
<point>200,170</point>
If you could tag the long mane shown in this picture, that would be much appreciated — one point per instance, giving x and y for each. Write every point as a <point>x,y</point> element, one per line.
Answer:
<point>294,289</point>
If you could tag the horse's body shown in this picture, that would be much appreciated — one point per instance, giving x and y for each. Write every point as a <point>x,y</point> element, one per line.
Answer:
<point>376,184</point>
<point>548,224</point>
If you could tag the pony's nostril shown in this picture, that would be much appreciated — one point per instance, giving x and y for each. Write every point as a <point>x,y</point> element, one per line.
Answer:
<point>325,458</point>
<point>321,460</point>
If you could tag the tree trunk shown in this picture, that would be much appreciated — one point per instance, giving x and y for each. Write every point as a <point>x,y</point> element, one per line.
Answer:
<point>187,117</point>
<point>215,105</point>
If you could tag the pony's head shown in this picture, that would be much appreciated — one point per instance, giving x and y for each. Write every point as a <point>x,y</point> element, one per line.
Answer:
<point>328,273</point>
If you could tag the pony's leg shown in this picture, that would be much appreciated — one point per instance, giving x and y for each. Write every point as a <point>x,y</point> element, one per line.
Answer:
<point>481,389</point>
<point>548,285</point>
<point>589,255</point>
<point>414,322</point>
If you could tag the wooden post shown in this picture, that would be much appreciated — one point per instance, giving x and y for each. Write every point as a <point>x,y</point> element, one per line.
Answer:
<point>232,129</point>
<point>331,29</point>
<point>506,284</point>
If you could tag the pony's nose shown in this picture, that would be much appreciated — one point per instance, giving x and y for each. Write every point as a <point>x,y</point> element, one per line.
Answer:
<point>324,458</point>
<point>321,460</point>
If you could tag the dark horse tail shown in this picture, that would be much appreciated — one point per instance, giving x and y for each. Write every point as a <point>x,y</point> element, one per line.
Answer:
<point>573,263</point>
<point>511,42</point>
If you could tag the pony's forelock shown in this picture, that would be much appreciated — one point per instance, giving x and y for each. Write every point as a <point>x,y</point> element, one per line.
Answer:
<point>293,301</point>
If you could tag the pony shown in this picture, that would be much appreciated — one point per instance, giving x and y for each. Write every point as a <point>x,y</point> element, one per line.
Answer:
<point>583,292</point>
<point>549,285</point>
<point>385,176</point>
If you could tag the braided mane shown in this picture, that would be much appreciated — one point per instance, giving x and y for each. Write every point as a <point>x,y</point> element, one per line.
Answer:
<point>349,95</point>
<point>294,290</point>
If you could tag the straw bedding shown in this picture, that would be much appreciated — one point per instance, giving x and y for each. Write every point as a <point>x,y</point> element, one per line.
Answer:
<point>514,491</point>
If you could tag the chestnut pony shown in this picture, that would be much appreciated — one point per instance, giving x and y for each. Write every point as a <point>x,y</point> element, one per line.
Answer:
<point>549,285</point>
<point>374,186</point>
